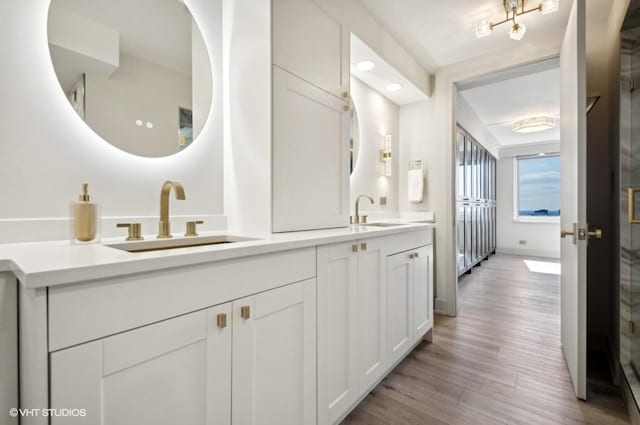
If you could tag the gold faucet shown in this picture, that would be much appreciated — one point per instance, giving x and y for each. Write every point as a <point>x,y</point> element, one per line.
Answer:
<point>357,218</point>
<point>164,227</point>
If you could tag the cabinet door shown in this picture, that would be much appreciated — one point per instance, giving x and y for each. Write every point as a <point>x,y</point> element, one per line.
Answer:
<point>372,300</point>
<point>175,371</point>
<point>274,357</point>
<point>422,291</point>
<point>310,156</point>
<point>312,44</point>
<point>400,317</point>
<point>337,330</point>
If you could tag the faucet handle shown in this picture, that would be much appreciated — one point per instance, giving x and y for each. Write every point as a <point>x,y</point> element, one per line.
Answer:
<point>192,227</point>
<point>363,219</point>
<point>135,231</point>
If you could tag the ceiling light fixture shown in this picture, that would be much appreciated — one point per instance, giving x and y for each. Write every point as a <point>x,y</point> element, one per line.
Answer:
<point>533,125</point>
<point>365,65</point>
<point>393,87</point>
<point>513,9</point>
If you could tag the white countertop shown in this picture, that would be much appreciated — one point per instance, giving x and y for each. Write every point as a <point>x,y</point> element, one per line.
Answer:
<point>41,264</point>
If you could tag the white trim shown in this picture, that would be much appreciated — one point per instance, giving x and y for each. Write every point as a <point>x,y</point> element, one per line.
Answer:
<point>539,253</point>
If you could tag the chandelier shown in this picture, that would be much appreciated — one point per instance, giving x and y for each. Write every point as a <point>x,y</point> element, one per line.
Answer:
<point>513,9</point>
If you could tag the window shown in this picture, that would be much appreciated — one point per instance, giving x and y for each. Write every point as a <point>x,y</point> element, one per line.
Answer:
<point>537,188</point>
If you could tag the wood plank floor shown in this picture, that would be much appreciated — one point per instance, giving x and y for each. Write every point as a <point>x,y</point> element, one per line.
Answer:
<point>498,362</point>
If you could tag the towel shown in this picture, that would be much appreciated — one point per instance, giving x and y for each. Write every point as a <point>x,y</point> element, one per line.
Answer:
<point>416,186</point>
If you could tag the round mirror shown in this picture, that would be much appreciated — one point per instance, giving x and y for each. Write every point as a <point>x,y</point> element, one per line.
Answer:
<point>354,139</point>
<point>136,71</point>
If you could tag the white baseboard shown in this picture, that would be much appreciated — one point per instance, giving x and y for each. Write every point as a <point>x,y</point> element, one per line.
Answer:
<point>52,229</point>
<point>529,252</point>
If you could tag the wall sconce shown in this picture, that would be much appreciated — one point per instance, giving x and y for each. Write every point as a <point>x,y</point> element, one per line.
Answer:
<point>385,155</point>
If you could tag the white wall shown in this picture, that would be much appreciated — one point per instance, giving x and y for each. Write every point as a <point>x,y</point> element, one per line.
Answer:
<point>142,90</point>
<point>247,115</point>
<point>541,239</point>
<point>377,116</point>
<point>47,150</point>
<point>469,120</point>
<point>417,142</point>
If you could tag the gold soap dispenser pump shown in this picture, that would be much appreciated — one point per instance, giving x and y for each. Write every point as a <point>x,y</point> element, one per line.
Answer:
<point>85,218</point>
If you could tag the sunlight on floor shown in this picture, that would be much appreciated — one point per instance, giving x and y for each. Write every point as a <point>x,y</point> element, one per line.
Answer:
<point>543,267</point>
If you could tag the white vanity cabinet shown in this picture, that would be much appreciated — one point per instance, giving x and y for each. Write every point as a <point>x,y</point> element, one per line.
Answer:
<point>374,305</point>
<point>311,118</point>
<point>409,294</point>
<point>351,324</point>
<point>253,359</point>
<point>175,371</point>
<point>274,357</point>
<point>312,43</point>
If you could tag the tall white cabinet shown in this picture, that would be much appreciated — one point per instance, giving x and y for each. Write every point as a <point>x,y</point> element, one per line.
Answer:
<point>310,116</point>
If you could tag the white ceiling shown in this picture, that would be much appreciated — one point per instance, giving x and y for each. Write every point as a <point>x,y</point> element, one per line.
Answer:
<point>498,103</point>
<point>442,32</point>
<point>158,31</point>
<point>382,75</point>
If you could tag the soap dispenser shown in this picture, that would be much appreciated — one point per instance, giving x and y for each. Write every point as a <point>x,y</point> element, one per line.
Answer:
<point>85,218</point>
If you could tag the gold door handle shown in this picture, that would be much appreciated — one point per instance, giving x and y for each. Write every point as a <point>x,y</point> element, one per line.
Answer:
<point>631,203</point>
<point>573,233</point>
<point>564,233</point>
<point>221,320</point>
<point>245,312</point>
<point>354,247</point>
<point>595,234</point>
<point>363,246</point>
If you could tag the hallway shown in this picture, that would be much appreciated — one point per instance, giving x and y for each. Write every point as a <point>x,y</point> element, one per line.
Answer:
<point>498,362</point>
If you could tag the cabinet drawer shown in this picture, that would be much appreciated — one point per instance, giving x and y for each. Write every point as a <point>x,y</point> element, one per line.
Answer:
<point>405,241</point>
<point>92,310</point>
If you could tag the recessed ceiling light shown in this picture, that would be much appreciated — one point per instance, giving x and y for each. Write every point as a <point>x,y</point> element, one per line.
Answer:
<point>393,87</point>
<point>541,154</point>
<point>533,125</point>
<point>365,65</point>
<point>139,123</point>
<point>149,124</point>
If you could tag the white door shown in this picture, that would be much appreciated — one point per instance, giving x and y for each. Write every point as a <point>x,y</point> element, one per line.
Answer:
<point>399,306</point>
<point>422,290</point>
<point>173,372</point>
<point>372,309</point>
<point>312,44</point>
<point>573,137</point>
<point>274,357</point>
<point>310,156</point>
<point>337,330</point>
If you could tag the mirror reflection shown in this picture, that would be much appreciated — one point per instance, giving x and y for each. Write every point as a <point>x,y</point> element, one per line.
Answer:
<point>136,71</point>
<point>354,139</point>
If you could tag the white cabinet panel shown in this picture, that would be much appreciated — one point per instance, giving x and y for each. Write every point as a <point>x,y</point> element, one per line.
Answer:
<point>399,305</point>
<point>312,44</point>
<point>176,371</point>
<point>337,330</point>
<point>310,156</point>
<point>274,357</point>
<point>372,309</point>
<point>422,292</point>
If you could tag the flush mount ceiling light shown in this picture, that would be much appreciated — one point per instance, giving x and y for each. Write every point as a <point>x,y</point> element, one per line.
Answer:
<point>365,65</point>
<point>533,125</point>
<point>393,87</point>
<point>513,9</point>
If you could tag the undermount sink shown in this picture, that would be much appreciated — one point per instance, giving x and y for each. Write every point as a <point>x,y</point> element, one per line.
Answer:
<point>385,224</point>
<point>177,243</point>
